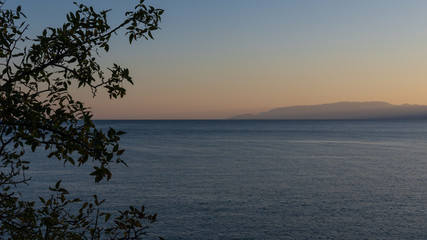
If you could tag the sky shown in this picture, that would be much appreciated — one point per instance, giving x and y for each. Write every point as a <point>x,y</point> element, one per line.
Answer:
<point>217,59</point>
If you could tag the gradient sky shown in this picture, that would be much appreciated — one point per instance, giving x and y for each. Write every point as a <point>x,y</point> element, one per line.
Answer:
<point>216,59</point>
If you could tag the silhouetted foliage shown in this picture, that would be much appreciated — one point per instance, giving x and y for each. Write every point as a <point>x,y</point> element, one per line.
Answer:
<point>37,111</point>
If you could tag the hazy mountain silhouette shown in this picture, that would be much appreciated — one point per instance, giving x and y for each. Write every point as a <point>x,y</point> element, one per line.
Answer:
<point>344,110</point>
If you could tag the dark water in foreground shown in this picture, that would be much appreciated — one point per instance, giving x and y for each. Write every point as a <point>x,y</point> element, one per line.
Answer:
<point>266,179</point>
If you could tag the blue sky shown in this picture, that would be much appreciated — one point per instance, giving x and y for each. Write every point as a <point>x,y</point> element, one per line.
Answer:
<point>214,59</point>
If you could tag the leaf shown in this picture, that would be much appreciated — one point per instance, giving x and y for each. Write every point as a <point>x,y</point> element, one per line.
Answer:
<point>58,184</point>
<point>130,38</point>
<point>33,147</point>
<point>63,190</point>
<point>71,160</point>
<point>116,148</point>
<point>107,216</point>
<point>98,178</point>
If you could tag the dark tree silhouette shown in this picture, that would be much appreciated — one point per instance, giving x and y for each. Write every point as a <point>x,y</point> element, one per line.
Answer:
<point>38,111</point>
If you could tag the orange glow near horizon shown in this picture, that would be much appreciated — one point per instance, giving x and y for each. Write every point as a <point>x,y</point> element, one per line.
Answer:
<point>295,53</point>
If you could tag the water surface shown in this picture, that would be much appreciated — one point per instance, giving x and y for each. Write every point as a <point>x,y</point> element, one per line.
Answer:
<point>266,179</point>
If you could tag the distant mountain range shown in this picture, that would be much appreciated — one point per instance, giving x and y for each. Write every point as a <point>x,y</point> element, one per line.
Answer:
<point>343,110</point>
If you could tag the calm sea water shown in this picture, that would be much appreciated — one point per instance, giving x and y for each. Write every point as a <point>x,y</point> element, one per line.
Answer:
<point>265,179</point>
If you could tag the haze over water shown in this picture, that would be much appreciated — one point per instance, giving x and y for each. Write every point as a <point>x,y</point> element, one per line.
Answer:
<point>267,179</point>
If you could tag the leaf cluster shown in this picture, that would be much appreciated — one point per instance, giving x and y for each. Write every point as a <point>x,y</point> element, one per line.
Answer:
<point>54,219</point>
<point>38,113</point>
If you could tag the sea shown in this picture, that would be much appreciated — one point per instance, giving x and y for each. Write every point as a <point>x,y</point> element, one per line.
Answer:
<point>262,179</point>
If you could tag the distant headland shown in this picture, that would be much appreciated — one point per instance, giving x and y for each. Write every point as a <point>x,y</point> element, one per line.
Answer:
<point>343,110</point>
